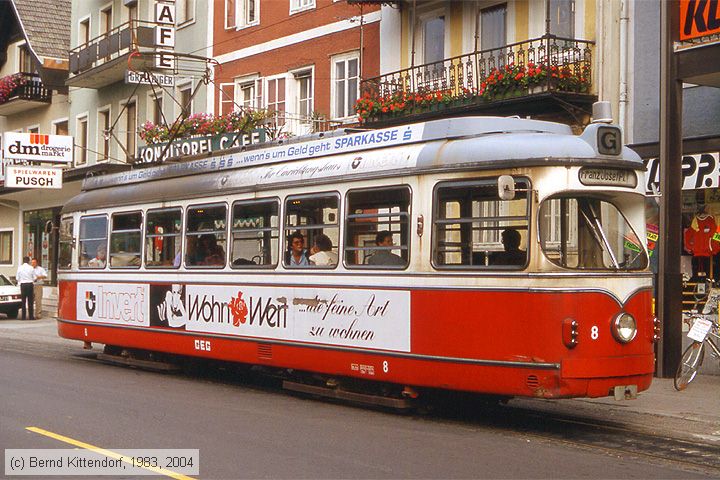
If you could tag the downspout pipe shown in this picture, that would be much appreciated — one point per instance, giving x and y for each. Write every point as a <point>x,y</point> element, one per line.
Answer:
<point>623,93</point>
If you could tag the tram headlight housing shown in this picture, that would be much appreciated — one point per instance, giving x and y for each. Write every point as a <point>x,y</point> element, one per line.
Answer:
<point>624,328</point>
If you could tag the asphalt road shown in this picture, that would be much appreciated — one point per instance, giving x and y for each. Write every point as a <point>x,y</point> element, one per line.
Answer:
<point>253,431</point>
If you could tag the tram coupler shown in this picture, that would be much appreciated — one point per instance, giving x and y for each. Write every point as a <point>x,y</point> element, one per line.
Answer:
<point>625,392</point>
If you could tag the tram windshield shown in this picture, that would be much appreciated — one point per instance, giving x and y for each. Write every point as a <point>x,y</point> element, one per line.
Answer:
<point>584,232</point>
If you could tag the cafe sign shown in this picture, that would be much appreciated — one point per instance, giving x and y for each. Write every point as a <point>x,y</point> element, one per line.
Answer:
<point>187,147</point>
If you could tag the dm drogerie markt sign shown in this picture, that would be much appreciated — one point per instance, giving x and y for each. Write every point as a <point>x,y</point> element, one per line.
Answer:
<point>38,148</point>
<point>699,18</point>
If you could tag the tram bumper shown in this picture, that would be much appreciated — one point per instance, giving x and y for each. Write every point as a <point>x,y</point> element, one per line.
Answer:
<point>620,377</point>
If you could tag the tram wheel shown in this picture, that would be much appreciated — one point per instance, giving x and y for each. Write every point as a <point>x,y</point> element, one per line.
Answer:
<point>691,360</point>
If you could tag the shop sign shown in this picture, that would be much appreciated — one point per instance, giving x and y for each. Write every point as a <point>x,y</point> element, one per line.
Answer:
<point>699,171</point>
<point>165,34</point>
<point>21,176</point>
<point>149,78</point>
<point>37,147</point>
<point>194,146</point>
<point>699,18</point>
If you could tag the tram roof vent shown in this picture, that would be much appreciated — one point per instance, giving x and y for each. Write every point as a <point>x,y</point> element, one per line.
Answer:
<point>602,112</point>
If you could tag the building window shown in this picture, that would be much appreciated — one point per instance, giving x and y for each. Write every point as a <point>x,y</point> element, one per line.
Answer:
<point>304,89</point>
<point>276,98</point>
<point>185,98</point>
<point>493,29</point>
<point>184,11</point>
<point>434,39</point>
<point>103,135</point>
<point>81,133</point>
<point>562,18</point>
<point>227,98</point>
<point>300,5</point>
<point>35,129</point>
<point>84,31</point>
<point>241,13</point>
<point>6,247</point>
<point>155,109</point>
<point>130,129</point>
<point>61,128</point>
<point>25,63</point>
<point>105,20</point>
<point>345,85</point>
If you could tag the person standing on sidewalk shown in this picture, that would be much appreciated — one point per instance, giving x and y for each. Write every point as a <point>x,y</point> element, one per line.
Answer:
<point>25,278</point>
<point>40,276</point>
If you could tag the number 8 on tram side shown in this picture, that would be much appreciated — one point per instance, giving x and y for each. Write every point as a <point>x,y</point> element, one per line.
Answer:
<point>502,256</point>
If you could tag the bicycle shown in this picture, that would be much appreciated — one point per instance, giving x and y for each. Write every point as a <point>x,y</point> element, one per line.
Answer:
<point>703,331</point>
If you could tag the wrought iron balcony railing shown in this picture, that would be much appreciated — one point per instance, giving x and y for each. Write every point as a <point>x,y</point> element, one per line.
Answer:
<point>25,87</point>
<point>545,64</point>
<point>116,43</point>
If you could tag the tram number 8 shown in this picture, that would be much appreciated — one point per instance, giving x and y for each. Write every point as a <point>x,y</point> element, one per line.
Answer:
<point>386,366</point>
<point>594,332</point>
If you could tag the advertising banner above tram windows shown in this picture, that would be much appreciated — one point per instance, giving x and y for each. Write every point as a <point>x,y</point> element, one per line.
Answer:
<point>344,144</point>
<point>116,303</point>
<point>20,176</point>
<point>699,171</point>
<point>37,147</point>
<point>356,318</point>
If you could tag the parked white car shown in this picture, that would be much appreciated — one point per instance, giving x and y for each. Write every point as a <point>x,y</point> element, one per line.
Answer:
<point>9,297</point>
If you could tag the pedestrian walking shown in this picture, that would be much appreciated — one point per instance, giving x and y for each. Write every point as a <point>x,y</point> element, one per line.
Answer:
<point>25,278</point>
<point>40,275</point>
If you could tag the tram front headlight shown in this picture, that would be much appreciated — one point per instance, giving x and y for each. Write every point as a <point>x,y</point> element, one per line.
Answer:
<point>624,327</point>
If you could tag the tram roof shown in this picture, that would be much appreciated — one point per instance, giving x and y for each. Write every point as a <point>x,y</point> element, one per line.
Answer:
<point>457,143</point>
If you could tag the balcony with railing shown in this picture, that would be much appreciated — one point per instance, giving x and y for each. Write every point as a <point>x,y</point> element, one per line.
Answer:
<point>20,92</point>
<point>543,76</point>
<point>104,59</point>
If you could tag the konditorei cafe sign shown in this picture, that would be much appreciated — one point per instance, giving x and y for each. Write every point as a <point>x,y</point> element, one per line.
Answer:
<point>37,147</point>
<point>23,176</point>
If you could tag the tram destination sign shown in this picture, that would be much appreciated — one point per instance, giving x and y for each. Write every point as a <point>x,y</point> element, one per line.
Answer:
<point>612,177</point>
<point>38,147</point>
<point>21,176</point>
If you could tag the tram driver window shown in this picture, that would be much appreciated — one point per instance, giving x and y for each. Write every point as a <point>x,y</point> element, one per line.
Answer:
<point>378,228</point>
<point>205,236</point>
<point>93,242</point>
<point>312,231</point>
<point>126,240</point>
<point>255,234</point>
<point>163,238</point>
<point>473,228</point>
<point>66,243</point>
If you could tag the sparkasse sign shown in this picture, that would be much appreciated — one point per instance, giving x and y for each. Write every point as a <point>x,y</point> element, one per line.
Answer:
<point>21,176</point>
<point>37,147</point>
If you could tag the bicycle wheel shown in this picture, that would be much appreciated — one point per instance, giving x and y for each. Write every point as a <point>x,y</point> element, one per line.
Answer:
<point>689,364</point>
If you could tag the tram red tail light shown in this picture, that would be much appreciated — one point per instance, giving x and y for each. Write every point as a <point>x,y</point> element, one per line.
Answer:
<point>570,332</point>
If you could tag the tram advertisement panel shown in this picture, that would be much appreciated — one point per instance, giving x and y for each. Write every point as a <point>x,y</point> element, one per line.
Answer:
<point>116,303</point>
<point>358,318</point>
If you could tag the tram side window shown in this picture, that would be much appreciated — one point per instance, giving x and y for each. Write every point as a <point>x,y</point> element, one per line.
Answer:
<point>255,234</point>
<point>473,228</point>
<point>312,231</point>
<point>65,244</point>
<point>93,242</point>
<point>206,236</point>
<point>378,228</point>
<point>163,238</point>
<point>126,240</point>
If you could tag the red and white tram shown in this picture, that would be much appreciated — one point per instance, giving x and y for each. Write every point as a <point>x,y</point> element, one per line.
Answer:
<point>502,256</point>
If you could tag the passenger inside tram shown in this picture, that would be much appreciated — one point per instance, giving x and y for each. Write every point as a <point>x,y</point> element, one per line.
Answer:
<point>512,255</point>
<point>206,251</point>
<point>100,258</point>
<point>384,256</point>
<point>321,253</point>
<point>296,255</point>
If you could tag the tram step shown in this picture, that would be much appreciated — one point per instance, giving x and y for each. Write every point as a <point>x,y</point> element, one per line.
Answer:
<point>152,365</point>
<point>340,394</point>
